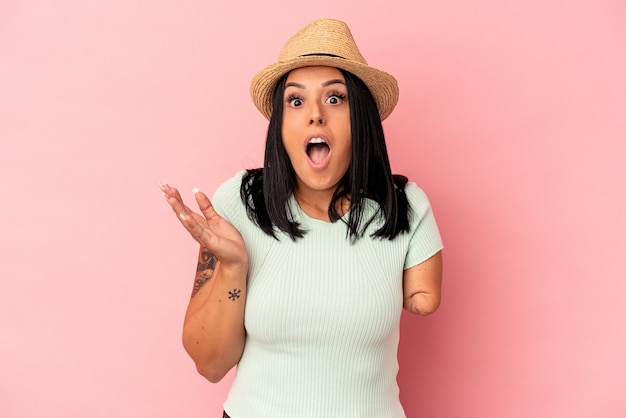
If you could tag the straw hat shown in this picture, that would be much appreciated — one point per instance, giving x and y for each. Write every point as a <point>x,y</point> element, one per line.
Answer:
<point>325,42</point>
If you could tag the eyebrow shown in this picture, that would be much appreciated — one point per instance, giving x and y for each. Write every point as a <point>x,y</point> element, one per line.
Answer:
<point>324,84</point>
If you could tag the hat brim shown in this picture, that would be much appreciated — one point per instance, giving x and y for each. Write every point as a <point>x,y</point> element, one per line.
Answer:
<point>382,85</point>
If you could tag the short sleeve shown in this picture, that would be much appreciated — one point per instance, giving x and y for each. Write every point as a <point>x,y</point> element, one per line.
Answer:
<point>227,201</point>
<point>425,239</point>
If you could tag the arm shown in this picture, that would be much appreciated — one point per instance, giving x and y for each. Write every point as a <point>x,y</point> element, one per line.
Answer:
<point>213,331</point>
<point>422,286</point>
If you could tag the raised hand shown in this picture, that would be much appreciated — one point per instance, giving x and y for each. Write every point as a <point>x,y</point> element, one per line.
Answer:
<point>209,229</point>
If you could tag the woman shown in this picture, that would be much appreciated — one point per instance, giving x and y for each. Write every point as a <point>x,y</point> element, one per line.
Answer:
<point>305,264</point>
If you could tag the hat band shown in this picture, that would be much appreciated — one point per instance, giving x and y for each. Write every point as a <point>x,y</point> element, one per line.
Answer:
<point>322,55</point>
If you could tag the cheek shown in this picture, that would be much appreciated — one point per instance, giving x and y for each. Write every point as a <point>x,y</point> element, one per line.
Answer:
<point>288,136</point>
<point>347,154</point>
<point>347,139</point>
<point>343,150</point>
<point>345,123</point>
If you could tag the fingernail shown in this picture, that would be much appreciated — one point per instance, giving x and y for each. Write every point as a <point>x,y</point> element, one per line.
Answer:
<point>182,216</point>
<point>195,190</point>
<point>161,187</point>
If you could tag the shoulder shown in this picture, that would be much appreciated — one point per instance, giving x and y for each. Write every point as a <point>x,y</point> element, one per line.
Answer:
<point>231,185</point>
<point>226,199</point>
<point>417,198</point>
<point>414,192</point>
<point>425,237</point>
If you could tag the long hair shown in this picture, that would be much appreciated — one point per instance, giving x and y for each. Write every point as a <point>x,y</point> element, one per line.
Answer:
<point>266,191</point>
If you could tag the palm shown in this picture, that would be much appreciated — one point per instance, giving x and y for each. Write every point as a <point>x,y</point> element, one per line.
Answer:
<point>218,235</point>
<point>212,231</point>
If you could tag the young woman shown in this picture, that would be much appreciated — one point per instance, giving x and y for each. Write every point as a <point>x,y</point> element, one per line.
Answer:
<point>305,264</point>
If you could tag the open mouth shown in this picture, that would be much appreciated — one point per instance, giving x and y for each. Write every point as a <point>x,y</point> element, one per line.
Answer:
<point>317,149</point>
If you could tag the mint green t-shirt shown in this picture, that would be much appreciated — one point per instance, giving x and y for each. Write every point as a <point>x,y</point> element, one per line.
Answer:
<point>322,314</point>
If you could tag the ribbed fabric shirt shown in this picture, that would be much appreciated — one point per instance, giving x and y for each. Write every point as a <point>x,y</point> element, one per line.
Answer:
<point>322,314</point>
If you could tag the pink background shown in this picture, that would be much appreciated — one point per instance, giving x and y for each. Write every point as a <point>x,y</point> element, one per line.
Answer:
<point>512,117</point>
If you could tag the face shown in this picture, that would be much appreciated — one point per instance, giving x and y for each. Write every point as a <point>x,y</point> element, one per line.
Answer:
<point>316,127</point>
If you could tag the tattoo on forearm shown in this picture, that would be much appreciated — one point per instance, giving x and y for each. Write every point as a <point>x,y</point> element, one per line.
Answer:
<point>206,267</point>
<point>207,261</point>
<point>234,294</point>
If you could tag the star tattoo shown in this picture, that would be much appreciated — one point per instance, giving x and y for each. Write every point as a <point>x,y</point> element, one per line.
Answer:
<point>234,294</point>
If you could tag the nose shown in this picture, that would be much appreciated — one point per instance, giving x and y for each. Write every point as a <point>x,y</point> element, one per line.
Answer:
<point>318,120</point>
<point>317,116</point>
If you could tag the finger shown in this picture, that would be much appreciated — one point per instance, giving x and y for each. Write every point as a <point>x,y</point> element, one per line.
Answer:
<point>197,226</point>
<point>172,196</point>
<point>177,205</point>
<point>194,223</point>
<point>165,188</point>
<point>204,204</point>
<point>171,192</point>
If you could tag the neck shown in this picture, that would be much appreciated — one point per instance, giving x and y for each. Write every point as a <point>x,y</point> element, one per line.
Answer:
<point>315,203</point>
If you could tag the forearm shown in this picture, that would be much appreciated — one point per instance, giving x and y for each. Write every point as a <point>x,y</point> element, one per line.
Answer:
<point>213,332</point>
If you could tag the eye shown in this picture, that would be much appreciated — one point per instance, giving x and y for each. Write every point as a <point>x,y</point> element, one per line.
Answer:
<point>336,98</point>
<point>294,101</point>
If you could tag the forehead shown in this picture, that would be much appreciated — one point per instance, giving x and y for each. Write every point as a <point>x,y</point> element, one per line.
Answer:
<point>315,73</point>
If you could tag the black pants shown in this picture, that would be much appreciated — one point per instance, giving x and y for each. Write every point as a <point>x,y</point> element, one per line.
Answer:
<point>225,415</point>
